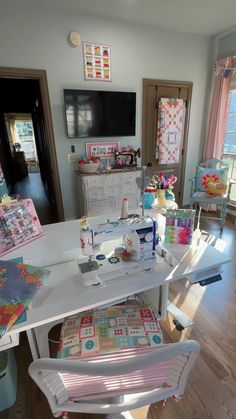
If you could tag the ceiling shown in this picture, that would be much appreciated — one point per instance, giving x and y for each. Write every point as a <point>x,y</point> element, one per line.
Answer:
<point>204,17</point>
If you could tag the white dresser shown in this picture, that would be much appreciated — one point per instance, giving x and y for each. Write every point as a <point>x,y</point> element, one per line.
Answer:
<point>101,193</point>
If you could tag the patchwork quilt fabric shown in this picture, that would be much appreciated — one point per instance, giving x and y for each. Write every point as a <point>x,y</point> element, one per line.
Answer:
<point>111,329</point>
<point>169,130</point>
<point>18,285</point>
<point>179,226</point>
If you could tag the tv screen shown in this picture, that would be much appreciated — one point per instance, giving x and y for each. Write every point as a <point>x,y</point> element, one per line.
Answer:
<point>93,113</point>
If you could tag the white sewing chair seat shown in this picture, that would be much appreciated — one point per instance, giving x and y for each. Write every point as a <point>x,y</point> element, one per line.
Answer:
<point>113,360</point>
<point>212,198</point>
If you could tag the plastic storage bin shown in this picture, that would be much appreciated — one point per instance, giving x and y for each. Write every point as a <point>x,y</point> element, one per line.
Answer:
<point>8,379</point>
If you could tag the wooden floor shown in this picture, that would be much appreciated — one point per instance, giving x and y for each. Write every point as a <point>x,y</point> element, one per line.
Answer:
<point>211,388</point>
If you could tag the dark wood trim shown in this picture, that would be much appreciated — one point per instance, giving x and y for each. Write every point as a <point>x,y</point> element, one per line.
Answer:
<point>41,76</point>
<point>168,83</point>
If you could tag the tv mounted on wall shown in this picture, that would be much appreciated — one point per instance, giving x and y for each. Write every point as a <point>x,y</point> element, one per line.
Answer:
<point>96,113</point>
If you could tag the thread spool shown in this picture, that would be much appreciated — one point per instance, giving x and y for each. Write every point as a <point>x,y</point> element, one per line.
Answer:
<point>124,209</point>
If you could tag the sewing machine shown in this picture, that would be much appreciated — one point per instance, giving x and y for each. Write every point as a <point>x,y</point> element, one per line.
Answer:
<point>116,248</point>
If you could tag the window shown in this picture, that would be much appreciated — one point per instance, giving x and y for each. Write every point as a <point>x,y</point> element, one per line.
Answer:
<point>229,149</point>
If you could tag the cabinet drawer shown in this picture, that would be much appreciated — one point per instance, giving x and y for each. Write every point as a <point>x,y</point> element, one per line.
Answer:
<point>95,194</point>
<point>103,206</point>
<point>94,182</point>
<point>130,188</point>
<point>130,177</point>
<point>113,191</point>
<point>114,179</point>
<point>9,341</point>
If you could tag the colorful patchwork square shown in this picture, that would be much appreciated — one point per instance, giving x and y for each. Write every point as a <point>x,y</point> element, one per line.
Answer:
<point>114,311</point>
<point>121,321</point>
<point>100,314</point>
<point>89,345</point>
<point>86,321</point>
<point>155,339</point>
<point>72,341</point>
<point>112,322</point>
<point>71,331</point>
<point>134,322</point>
<point>70,322</point>
<point>107,344</point>
<point>136,331</point>
<point>86,332</point>
<point>140,341</point>
<point>124,342</point>
<point>103,330</point>
<point>117,331</point>
<point>150,327</point>
<point>147,314</point>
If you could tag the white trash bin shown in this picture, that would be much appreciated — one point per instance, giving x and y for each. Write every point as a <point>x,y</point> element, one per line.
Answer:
<point>8,379</point>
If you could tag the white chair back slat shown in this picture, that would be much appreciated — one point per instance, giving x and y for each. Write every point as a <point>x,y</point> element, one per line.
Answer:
<point>142,376</point>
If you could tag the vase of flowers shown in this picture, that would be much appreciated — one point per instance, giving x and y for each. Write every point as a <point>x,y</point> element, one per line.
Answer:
<point>161,197</point>
<point>164,189</point>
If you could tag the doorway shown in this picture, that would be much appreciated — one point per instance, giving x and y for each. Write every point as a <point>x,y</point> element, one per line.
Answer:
<point>27,148</point>
<point>153,91</point>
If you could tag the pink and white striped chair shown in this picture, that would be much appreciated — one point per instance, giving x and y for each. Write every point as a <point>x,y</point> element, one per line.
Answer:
<point>113,381</point>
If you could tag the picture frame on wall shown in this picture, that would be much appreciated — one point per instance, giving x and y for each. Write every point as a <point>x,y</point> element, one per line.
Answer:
<point>103,150</point>
<point>97,61</point>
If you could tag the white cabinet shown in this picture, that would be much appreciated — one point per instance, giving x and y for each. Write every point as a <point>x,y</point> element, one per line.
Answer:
<point>103,193</point>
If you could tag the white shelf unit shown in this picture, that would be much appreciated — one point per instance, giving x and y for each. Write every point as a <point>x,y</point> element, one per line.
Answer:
<point>103,193</point>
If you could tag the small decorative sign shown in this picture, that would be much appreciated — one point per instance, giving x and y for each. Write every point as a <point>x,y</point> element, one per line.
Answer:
<point>97,61</point>
<point>104,150</point>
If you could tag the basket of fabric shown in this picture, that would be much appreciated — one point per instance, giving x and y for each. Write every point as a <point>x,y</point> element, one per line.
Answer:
<point>88,167</point>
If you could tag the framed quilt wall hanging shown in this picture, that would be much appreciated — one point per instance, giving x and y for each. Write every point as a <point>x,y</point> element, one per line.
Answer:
<point>97,61</point>
<point>170,124</point>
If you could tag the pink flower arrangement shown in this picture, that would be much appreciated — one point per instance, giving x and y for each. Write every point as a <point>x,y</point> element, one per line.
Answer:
<point>163,181</point>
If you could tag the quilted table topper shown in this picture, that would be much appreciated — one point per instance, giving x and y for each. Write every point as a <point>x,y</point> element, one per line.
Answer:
<point>19,283</point>
<point>110,329</point>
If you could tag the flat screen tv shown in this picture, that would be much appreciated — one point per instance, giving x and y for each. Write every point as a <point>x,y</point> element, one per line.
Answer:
<point>96,113</point>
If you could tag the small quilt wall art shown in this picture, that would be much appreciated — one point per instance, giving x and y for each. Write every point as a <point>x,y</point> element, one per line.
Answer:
<point>97,61</point>
<point>170,120</point>
<point>19,224</point>
<point>179,226</point>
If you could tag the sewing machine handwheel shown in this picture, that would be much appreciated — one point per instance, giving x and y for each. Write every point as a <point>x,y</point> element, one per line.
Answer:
<point>178,325</point>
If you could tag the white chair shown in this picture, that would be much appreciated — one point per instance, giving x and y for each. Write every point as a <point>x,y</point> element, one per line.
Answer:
<point>112,383</point>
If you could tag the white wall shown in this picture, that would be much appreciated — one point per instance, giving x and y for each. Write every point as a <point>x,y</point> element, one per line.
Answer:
<point>34,37</point>
<point>227,45</point>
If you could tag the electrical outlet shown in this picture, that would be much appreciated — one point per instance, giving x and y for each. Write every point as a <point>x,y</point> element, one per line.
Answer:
<point>73,158</point>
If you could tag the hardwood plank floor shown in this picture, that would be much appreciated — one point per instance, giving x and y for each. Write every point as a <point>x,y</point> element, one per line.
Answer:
<point>211,388</point>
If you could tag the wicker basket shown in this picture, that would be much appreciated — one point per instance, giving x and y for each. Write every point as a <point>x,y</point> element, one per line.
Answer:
<point>88,167</point>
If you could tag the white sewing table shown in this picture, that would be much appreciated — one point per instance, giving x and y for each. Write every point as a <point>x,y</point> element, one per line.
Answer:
<point>64,294</point>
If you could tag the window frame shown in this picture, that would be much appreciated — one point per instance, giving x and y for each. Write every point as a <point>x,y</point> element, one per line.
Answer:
<point>230,155</point>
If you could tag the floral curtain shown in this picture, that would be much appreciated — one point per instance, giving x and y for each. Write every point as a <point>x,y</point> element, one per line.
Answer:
<point>222,74</point>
